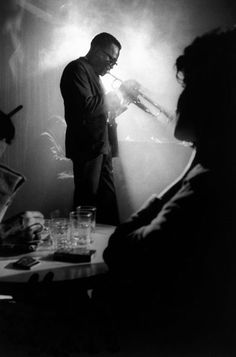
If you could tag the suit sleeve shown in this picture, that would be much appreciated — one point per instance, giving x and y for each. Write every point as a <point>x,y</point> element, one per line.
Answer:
<point>76,88</point>
<point>153,231</point>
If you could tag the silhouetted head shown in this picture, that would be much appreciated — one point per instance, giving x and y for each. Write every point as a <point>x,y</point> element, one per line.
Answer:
<point>7,132</point>
<point>7,129</point>
<point>104,53</point>
<point>206,107</point>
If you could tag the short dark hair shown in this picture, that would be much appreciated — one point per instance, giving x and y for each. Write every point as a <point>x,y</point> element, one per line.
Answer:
<point>104,40</point>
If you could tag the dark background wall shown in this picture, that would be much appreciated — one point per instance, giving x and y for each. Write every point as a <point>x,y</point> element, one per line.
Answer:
<point>39,37</point>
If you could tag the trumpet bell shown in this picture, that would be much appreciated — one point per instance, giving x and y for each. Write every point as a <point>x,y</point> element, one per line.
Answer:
<point>133,92</point>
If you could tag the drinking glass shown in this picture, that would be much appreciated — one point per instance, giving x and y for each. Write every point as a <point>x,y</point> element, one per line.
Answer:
<point>93,210</point>
<point>46,240</point>
<point>59,230</point>
<point>80,228</point>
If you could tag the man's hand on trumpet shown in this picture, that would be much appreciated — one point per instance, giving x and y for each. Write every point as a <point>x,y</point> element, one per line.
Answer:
<point>116,105</point>
<point>130,90</point>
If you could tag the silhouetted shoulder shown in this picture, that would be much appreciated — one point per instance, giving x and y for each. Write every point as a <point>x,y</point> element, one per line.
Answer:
<point>198,171</point>
<point>78,64</point>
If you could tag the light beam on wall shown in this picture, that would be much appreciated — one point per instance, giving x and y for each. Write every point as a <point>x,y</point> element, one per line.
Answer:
<point>68,42</point>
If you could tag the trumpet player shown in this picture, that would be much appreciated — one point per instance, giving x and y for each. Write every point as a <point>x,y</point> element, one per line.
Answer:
<point>88,138</point>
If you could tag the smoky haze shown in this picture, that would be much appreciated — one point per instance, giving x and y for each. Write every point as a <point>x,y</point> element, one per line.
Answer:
<point>39,37</point>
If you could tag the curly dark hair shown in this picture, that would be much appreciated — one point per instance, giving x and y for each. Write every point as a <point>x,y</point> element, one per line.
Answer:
<point>207,70</point>
<point>211,55</point>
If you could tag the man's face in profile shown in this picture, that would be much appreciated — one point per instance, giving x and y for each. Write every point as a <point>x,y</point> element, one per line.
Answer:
<point>186,116</point>
<point>106,59</point>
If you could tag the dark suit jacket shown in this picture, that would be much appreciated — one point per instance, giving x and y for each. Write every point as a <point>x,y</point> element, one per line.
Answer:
<point>184,239</point>
<point>85,111</point>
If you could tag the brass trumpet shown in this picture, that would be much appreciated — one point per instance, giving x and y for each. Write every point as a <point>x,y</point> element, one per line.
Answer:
<point>132,92</point>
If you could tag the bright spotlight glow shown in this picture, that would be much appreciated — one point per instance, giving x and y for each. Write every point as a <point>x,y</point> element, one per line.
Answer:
<point>68,42</point>
<point>138,55</point>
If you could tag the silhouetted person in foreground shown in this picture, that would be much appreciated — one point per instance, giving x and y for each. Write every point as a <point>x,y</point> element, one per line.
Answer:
<point>20,233</point>
<point>176,252</point>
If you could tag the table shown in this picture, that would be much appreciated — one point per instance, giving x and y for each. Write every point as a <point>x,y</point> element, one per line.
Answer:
<point>52,307</point>
<point>60,271</point>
